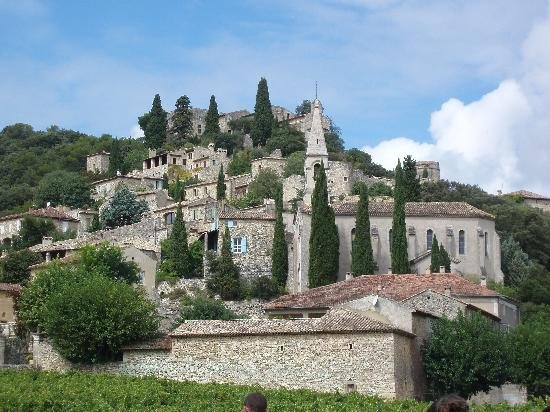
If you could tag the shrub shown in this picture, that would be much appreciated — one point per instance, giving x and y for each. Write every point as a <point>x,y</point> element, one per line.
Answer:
<point>108,260</point>
<point>124,209</point>
<point>204,308</point>
<point>14,268</point>
<point>63,188</point>
<point>264,287</point>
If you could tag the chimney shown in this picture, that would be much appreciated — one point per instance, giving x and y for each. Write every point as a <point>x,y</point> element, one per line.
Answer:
<point>441,269</point>
<point>349,276</point>
<point>483,281</point>
<point>47,240</point>
<point>447,291</point>
<point>48,204</point>
<point>389,271</point>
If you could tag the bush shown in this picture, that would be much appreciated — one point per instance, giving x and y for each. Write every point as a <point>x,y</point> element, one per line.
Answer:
<point>14,268</point>
<point>108,260</point>
<point>124,209</point>
<point>240,163</point>
<point>264,287</point>
<point>204,308</point>
<point>295,164</point>
<point>63,188</point>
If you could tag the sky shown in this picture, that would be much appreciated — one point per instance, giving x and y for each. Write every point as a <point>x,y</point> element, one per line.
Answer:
<point>466,83</point>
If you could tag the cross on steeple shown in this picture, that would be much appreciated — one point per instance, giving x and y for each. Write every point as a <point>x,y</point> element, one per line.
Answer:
<point>315,89</point>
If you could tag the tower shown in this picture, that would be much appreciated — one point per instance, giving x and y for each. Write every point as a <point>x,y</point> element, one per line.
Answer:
<point>316,152</point>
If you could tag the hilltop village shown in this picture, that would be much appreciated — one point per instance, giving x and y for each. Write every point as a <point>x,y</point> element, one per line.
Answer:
<point>306,324</point>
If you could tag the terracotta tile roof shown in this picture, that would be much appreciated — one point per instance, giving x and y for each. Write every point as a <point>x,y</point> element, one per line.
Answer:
<point>48,212</point>
<point>11,288</point>
<point>335,321</point>
<point>528,195</point>
<point>395,287</point>
<point>162,343</point>
<point>11,217</point>
<point>428,209</point>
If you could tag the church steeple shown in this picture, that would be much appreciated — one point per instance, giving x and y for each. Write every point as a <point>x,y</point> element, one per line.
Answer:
<point>316,152</point>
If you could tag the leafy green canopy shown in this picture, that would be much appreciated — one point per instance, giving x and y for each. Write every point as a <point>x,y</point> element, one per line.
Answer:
<point>285,138</point>
<point>153,125</point>
<point>399,247</point>
<point>108,260</point>
<point>303,108</point>
<point>14,268</point>
<point>362,260</point>
<point>240,163</point>
<point>263,116</point>
<point>204,308</point>
<point>123,209</point>
<point>63,188</point>
<point>323,242</point>
<point>266,185</point>
<point>295,164</point>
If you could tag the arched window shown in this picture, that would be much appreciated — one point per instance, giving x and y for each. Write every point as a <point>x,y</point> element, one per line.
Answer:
<point>429,239</point>
<point>486,244</point>
<point>391,238</point>
<point>461,242</point>
<point>316,170</point>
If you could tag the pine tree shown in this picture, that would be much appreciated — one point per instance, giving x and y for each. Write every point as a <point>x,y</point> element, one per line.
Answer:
<point>165,183</point>
<point>182,122</point>
<point>177,251</point>
<point>279,257</point>
<point>362,261</point>
<point>323,242</point>
<point>412,183</point>
<point>221,186</point>
<point>444,259</point>
<point>116,161</point>
<point>263,116</point>
<point>212,125</point>
<point>399,247</point>
<point>436,256</point>
<point>153,125</point>
<point>224,280</point>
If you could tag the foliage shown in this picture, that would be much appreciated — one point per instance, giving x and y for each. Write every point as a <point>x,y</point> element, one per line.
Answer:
<point>242,124</point>
<point>303,108</point>
<point>176,257</point>
<point>264,287</point>
<point>182,122</point>
<point>14,268</point>
<point>530,354</point>
<point>453,367</point>
<point>221,186</point>
<point>435,261</point>
<point>108,260</point>
<point>295,164</point>
<point>445,259</point>
<point>32,231</point>
<point>279,252</point>
<point>165,182</point>
<point>204,308</point>
<point>324,242</point>
<point>399,247</point>
<point>362,161</point>
<point>240,163</point>
<point>124,209</point>
<point>515,263</point>
<point>90,320</point>
<point>230,142</point>
<point>95,225</point>
<point>362,260</point>
<point>212,125</point>
<point>153,125</point>
<point>63,188</point>
<point>224,279</point>
<point>116,161</point>
<point>245,201</point>
<point>287,139</point>
<point>412,183</point>
<point>266,185</point>
<point>30,391</point>
<point>263,116</point>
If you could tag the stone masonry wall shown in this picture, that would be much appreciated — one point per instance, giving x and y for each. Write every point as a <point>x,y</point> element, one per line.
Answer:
<point>435,304</point>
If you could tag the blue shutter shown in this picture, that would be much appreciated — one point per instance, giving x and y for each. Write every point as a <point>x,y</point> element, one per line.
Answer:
<point>243,244</point>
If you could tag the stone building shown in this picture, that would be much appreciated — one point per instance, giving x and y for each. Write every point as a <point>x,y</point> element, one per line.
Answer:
<point>105,189</point>
<point>532,199</point>
<point>236,186</point>
<point>98,163</point>
<point>8,295</point>
<point>272,162</point>
<point>427,170</point>
<point>226,118</point>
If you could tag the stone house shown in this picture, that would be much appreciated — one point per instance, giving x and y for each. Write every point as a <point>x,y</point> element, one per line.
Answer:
<point>236,186</point>
<point>226,118</point>
<point>105,189</point>
<point>8,294</point>
<point>98,162</point>
<point>427,170</point>
<point>532,199</point>
<point>275,163</point>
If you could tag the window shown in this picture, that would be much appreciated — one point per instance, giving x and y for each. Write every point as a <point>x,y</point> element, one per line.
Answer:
<point>231,223</point>
<point>199,129</point>
<point>238,244</point>
<point>158,184</point>
<point>169,218</point>
<point>194,215</point>
<point>316,170</point>
<point>204,163</point>
<point>486,244</point>
<point>461,242</point>
<point>65,227</point>
<point>184,162</point>
<point>345,178</point>
<point>195,192</point>
<point>205,190</point>
<point>173,160</point>
<point>429,239</point>
<point>190,155</point>
<point>213,162</point>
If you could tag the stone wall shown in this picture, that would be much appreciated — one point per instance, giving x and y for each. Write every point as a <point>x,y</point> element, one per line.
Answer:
<point>339,179</point>
<point>436,304</point>
<point>275,164</point>
<point>293,188</point>
<point>97,163</point>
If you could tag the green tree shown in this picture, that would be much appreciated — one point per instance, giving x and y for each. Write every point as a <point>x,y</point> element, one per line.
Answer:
<point>264,288</point>
<point>176,257</point>
<point>165,182</point>
<point>220,186</point>
<point>95,225</point>
<point>108,260</point>
<point>399,247</point>
<point>240,163</point>
<point>182,122</point>
<point>295,164</point>
<point>63,188</point>
<point>362,261</point>
<point>124,209</point>
<point>465,355</point>
<point>116,160</point>
<point>212,125</point>
<point>224,278</point>
<point>411,182</point>
<point>324,243</point>
<point>303,108</point>
<point>14,268</point>
<point>279,254</point>
<point>32,231</point>
<point>263,116</point>
<point>435,261</point>
<point>287,139</point>
<point>153,125</point>
<point>362,161</point>
<point>515,263</point>
<point>445,259</point>
<point>204,308</point>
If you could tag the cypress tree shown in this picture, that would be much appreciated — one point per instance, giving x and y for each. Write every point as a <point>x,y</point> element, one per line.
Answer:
<point>153,125</point>
<point>399,252</point>
<point>178,249</point>
<point>362,261</point>
<point>116,161</point>
<point>444,259</point>
<point>221,186</point>
<point>436,256</point>
<point>224,280</point>
<point>279,257</point>
<point>263,116</point>
<point>182,122</point>
<point>165,183</point>
<point>324,243</point>
<point>412,183</point>
<point>212,125</point>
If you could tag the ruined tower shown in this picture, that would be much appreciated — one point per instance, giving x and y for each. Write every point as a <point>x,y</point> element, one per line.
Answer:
<point>316,152</point>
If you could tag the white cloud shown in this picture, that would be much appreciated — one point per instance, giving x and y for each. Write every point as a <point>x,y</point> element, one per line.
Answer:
<point>136,132</point>
<point>502,140</point>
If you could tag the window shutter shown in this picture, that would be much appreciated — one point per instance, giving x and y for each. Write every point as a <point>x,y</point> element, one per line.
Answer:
<point>243,244</point>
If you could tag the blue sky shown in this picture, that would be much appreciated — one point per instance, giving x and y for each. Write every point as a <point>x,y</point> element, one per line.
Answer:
<point>384,67</point>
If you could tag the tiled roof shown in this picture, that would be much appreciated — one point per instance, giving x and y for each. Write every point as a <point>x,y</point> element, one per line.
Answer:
<point>162,343</point>
<point>48,212</point>
<point>428,209</point>
<point>335,321</point>
<point>395,287</point>
<point>528,195</point>
<point>11,287</point>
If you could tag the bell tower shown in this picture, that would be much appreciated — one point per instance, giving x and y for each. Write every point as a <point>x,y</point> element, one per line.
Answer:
<point>316,152</point>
